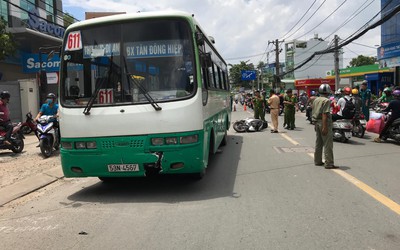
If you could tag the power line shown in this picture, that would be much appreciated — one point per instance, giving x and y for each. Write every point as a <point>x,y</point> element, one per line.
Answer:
<point>299,20</point>
<point>308,18</point>
<point>324,19</point>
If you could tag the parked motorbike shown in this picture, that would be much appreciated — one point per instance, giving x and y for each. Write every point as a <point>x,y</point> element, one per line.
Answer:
<point>29,125</point>
<point>342,130</point>
<point>249,125</point>
<point>359,124</point>
<point>48,135</point>
<point>16,139</point>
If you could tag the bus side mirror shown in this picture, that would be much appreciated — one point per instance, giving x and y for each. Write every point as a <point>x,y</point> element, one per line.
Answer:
<point>199,39</point>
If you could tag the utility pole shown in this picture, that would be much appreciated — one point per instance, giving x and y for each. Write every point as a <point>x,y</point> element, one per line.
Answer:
<point>336,56</point>
<point>277,64</point>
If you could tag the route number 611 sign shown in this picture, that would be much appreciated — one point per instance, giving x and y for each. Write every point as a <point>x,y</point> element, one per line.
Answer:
<point>74,41</point>
<point>105,96</point>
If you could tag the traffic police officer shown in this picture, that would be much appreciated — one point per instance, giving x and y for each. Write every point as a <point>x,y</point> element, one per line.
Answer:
<point>290,102</point>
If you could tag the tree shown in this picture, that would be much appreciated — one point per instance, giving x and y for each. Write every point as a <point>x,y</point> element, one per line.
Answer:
<point>362,60</point>
<point>68,20</point>
<point>235,74</point>
<point>7,44</point>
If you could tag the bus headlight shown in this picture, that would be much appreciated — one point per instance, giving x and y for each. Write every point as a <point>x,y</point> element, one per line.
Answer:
<point>66,145</point>
<point>188,139</point>
<point>157,141</point>
<point>91,145</point>
<point>171,140</point>
<point>80,145</point>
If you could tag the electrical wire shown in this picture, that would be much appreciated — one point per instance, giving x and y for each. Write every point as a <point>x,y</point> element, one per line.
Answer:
<point>308,18</point>
<point>283,38</point>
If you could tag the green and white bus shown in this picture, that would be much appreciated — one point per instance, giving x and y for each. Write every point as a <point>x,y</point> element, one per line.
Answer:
<point>141,94</point>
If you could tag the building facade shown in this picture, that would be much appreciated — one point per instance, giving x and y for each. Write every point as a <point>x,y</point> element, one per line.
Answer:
<point>297,51</point>
<point>389,52</point>
<point>35,25</point>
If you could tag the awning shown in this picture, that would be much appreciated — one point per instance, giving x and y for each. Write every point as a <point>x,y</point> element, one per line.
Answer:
<point>31,40</point>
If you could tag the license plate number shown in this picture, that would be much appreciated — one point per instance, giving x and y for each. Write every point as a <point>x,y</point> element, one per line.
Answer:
<point>347,134</point>
<point>123,167</point>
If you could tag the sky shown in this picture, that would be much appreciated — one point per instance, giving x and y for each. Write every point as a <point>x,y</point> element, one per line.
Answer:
<point>243,29</point>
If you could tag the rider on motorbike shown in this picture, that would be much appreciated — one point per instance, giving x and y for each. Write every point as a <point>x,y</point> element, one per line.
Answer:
<point>386,95</point>
<point>5,116</point>
<point>341,103</point>
<point>50,107</point>
<point>394,106</point>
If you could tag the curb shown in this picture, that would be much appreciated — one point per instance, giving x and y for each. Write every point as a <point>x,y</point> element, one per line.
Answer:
<point>29,185</point>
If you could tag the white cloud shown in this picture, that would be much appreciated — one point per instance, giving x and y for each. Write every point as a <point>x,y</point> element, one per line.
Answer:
<point>243,27</point>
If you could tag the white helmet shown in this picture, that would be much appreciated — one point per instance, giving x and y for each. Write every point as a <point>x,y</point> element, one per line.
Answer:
<point>324,89</point>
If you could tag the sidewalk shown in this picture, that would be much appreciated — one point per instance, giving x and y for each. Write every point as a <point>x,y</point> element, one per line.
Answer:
<point>50,171</point>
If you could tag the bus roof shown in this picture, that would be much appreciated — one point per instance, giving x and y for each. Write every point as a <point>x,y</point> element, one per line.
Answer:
<point>139,15</point>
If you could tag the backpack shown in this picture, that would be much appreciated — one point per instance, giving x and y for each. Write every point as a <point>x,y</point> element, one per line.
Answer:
<point>349,109</point>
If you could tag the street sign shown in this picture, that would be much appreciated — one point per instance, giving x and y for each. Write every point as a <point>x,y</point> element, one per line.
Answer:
<point>248,75</point>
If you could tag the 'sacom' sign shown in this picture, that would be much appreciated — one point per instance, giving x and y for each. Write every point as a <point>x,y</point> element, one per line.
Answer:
<point>37,23</point>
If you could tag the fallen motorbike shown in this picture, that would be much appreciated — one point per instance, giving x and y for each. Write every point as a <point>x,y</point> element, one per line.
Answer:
<point>48,135</point>
<point>16,139</point>
<point>342,130</point>
<point>359,124</point>
<point>249,125</point>
<point>29,125</point>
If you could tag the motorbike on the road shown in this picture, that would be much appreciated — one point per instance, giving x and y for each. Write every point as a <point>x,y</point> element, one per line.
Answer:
<point>16,139</point>
<point>359,124</point>
<point>393,131</point>
<point>249,125</point>
<point>302,107</point>
<point>48,135</point>
<point>29,125</point>
<point>309,114</point>
<point>342,130</point>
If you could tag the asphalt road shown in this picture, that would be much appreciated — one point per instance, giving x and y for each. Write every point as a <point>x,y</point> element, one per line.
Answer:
<point>261,192</point>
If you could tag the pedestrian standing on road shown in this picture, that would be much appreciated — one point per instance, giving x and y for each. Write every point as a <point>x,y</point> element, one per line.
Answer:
<point>290,102</point>
<point>321,113</point>
<point>258,105</point>
<point>274,102</point>
<point>365,95</point>
<point>5,116</point>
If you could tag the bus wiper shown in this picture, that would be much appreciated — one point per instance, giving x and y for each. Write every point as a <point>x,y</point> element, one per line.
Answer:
<point>90,103</point>
<point>136,80</point>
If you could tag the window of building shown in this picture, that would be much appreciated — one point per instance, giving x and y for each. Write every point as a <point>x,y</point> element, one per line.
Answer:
<point>4,10</point>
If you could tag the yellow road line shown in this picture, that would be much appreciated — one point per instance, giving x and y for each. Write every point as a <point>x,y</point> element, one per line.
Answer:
<point>289,139</point>
<point>372,192</point>
<point>361,185</point>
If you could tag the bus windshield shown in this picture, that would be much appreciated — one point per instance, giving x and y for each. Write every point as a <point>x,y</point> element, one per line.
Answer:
<point>128,63</point>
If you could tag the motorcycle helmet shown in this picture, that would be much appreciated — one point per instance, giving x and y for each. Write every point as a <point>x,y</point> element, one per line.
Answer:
<point>387,90</point>
<point>5,95</point>
<point>347,90</point>
<point>51,96</point>
<point>312,93</point>
<point>396,93</point>
<point>354,91</point>
<point>324,89</point>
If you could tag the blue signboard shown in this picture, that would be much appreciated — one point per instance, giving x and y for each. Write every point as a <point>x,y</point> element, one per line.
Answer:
<point>248,75</point>
<point>167,48</point>
<point>389,51</point>
<point>31,63</point>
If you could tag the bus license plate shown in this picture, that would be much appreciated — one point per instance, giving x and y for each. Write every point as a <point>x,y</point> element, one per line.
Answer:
<point>123,167</point>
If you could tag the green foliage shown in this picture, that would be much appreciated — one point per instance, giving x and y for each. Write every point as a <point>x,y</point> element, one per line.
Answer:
<point>235,74</point>
<point>7,44</point>
<point>362,60</point>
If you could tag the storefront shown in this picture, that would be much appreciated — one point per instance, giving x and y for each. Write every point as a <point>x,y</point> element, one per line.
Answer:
<point>308,85</point>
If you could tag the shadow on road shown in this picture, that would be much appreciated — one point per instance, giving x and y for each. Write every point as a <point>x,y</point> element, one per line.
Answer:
<point>218,182</point>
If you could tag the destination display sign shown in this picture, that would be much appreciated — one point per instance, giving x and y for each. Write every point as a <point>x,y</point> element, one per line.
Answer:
<point>162,48</point>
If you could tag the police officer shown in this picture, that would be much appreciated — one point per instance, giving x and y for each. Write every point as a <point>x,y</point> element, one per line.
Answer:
<point>365,95</point>
<point>290,102</point>
<point>258,106</point>
<point>321,115</point>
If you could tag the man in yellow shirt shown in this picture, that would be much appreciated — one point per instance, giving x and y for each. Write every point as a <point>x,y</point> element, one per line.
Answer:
<point>273,102</point>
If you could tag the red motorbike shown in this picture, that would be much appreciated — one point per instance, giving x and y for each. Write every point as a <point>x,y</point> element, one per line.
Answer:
<point>29,125</point>
<point>16,139</point>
